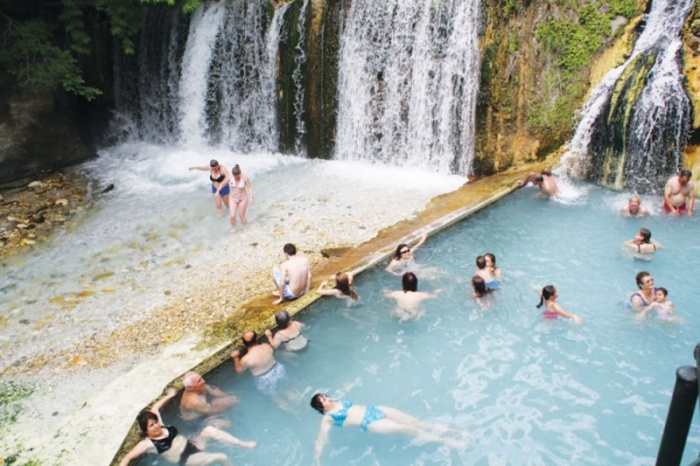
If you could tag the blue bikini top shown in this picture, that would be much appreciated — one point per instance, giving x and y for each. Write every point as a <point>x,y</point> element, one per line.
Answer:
<point>342,414</point>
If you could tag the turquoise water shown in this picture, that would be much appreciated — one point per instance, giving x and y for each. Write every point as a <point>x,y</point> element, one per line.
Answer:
<point>529,391</point>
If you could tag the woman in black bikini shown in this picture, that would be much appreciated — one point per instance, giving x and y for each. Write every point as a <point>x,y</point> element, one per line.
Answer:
<point>642,244</point>
<point>219,177</point>
<point>174,447</point>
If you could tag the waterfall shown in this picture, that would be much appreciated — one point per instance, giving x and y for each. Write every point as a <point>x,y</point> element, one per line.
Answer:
<point>408,77</point>
<point>636,122</point>
<point>194,81</point>
<point>207,82</point>
<point>299,61</point>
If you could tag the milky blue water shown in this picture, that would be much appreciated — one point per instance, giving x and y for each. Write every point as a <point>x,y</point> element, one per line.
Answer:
<point>529,391</point>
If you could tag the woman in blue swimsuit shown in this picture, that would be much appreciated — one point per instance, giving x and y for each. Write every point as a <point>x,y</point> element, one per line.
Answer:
<point>219,177</point>
<point>375,419</point>
<point>645,296</point>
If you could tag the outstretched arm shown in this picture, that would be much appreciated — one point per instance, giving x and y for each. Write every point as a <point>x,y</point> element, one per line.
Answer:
<point>556,308</point>
<point>201,168</point>
<point>138,450</point>
<point>420,242</point>
<point>526,180</point>
<point>322,438</point>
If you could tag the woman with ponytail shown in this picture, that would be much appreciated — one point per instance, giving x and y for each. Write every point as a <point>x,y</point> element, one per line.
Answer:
<point>552,310</point>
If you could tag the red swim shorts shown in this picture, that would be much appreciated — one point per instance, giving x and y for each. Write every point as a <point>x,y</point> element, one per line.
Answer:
<point>682,209</point>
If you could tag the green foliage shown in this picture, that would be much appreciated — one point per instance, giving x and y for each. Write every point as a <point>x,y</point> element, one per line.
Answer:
<point>575,43</point>
<point>125,20</point>
<point>511,6</point>
<point>10,396</point>
<point>188,6</point>
<point>626,8</point>
<point>32,56</point>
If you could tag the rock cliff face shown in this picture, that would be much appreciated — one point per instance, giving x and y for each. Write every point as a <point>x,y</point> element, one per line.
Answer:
<point>539,60</point>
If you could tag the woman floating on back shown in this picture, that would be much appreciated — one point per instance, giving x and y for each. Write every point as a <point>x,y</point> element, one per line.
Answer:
<point>552,309</point>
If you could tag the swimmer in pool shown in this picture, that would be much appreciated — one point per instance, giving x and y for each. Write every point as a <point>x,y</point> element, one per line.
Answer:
<point>288,333</point>
<point>175,448</point>
<point>403,257</point>
<point>679,194</point>
<point>343,289</point>
<point>374,419</point>
<point>219,177</point>
<point>634,208</point>
<point>645,296</point>
<point>201,403</point>
<point>480,291</point>
<point>662,305</point>
<point>544,181</point>
<point>486,273</point>
<point>494,269</point>
<point>552,310</point>
<point>642,243</point>
<point>409,297</point>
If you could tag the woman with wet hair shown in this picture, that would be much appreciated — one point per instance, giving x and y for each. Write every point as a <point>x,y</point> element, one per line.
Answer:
<point>343,289</point>
<point>642,243</point>
<point>374,419</point>
<point>403,257</point>
<point>219,177</point>
<point>480,290</point>
<point>643,298</point>
<point>175,448</point>
<point>288,333</point>
<point>552,310</point>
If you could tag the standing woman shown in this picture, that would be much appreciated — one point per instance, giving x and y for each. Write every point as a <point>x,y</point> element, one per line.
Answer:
<point>241,188</point>
<point>220,177</point>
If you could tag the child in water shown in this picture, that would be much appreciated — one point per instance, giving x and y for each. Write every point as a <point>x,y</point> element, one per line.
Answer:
<point>552,308</point>
<point>480,290</point>
<point>662,305</point>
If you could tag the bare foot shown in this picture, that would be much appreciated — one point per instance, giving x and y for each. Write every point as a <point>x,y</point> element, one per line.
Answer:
<point>275,293</point>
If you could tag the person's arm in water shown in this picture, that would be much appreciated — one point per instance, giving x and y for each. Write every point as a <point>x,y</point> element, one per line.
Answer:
<point>322,437</point>
<point>390,267</point>
<point>527,179</point>
<point>556,308</point>
<point>274,341</point>
<point>139,449</point>
<point>322,292</point>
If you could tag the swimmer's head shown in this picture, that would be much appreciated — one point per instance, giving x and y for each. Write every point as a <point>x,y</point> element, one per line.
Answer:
<point>409,282</point>
<point>685,176</point>
<point>282,318</point>
<point>480,262</point>
<point>289,249</point>
<point>236,170</point>
<point>539,179</point>
<point>479,285</point>
<point>401,251</point>
<point>490,257</point>
<point>191,379</point>
<point>547,292</point>
<point>213,163</point>
<point>317,402</point>
<point>642,278</point>
<point>249,338</point>
<point>143,418</point>
<point>633,204</point>
<point>660,294</point>
<point>644,235</point>
<point>546,173</point>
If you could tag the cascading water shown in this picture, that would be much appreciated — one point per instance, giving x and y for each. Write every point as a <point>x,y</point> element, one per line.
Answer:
<point>408,82</point>
<point>637,120</point>
<point>211,85</point>
<point>297,78</point>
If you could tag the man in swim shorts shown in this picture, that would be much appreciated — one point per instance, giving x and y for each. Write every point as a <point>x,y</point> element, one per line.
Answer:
<point>292,277</point>
<point>267,372</point>
<point>679,194</point>
<point>201,402</point>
